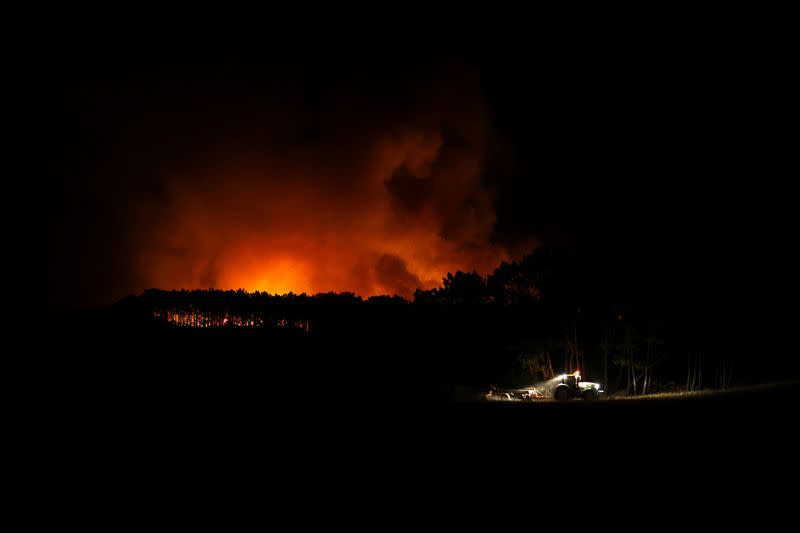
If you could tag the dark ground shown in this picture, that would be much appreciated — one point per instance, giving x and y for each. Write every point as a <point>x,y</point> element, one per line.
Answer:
<point>117,435</point>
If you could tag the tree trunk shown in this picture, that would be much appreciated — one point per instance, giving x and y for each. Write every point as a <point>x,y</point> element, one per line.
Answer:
<point>549,373</point>
<point>700,374</point>
<point>629,373</point>
<point>644,382</point>
<point>646,370</point>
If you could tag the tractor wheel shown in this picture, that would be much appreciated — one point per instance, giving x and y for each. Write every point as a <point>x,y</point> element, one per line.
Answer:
<point>562,395</point>
<point>589,396</point>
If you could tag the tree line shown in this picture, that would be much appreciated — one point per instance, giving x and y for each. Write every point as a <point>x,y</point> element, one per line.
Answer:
<point>529,318</point>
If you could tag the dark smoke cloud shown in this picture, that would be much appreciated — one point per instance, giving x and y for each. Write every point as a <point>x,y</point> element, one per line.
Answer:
<point>371,182</point>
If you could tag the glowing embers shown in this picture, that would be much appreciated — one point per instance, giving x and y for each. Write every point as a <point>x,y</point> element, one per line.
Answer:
<point>200,319</point>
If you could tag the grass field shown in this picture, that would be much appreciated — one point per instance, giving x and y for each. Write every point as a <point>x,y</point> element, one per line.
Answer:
<point>700,462</point>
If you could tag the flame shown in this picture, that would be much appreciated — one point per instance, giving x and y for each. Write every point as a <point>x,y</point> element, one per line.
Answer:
<point>273,275</point>
<point>374,201</point>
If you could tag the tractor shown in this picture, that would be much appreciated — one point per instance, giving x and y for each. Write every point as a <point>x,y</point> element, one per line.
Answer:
<point>571,386</point>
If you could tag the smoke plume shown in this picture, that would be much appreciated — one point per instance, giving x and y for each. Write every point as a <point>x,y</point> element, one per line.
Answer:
<point>374,184</point>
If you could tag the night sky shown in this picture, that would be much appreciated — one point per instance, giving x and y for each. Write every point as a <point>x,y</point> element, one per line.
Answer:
<point>312,150</point>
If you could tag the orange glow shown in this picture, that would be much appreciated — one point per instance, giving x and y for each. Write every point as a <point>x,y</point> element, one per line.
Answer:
<point>371,210</point>
<point>272,275</point>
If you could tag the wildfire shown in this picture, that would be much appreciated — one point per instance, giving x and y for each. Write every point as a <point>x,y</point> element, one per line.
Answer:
<point>375,201</point>
<point>203,319</point>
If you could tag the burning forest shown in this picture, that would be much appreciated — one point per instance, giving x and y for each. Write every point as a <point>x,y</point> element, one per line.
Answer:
<point>267,196</point>
<point>393,271</point>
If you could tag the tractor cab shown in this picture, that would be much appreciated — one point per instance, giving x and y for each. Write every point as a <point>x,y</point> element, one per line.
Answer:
<point>572,380</point>
<point>572,386</point>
